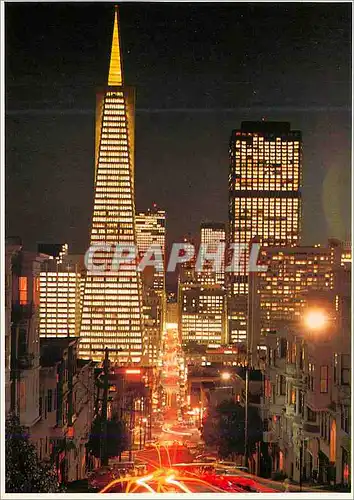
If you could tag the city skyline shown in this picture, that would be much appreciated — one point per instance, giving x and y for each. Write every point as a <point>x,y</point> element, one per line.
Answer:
<point>186,175</point>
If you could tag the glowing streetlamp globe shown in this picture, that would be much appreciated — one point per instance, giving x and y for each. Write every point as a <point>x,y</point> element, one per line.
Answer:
<point>225,376</point>
<point>316,319</point>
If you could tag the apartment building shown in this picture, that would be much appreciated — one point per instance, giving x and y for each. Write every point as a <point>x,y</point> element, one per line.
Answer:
<point>306,400</point>
<point>66,399</point>
<point>22,332</point>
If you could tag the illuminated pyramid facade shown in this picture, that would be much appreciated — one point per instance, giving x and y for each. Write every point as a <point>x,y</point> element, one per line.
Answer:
<point>112,305</point>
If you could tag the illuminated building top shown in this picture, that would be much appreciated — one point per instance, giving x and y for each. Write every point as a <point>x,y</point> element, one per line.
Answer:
<point>115,76</point>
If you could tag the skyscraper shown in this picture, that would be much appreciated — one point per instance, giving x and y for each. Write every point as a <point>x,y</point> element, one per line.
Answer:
<point>112,308</point>
<point>212,235</point>
<point>264,189</point>
<point>151,230</point>
<point>202,314</point>
<point>61,290</point>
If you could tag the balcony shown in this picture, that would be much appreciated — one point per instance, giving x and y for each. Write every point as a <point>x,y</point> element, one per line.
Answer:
<point>311,429</point>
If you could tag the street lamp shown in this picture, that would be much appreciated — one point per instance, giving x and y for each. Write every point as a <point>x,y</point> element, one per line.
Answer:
<point>225,376</point>
<point>316,319</point>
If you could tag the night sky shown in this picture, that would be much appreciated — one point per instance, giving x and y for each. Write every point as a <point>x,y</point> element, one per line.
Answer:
<point>199,70</point>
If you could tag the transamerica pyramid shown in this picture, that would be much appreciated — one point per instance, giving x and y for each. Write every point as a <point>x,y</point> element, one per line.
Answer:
<point>112,301</point>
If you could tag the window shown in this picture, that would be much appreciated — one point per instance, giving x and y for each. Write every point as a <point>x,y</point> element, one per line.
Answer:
<point>267,388</point>
<point>311,415</point>
<point>22,342</point>
<point>282,347</point>
<point>22,288</point>
<point>55,400</point>
<point>345,418</point>
<point>293,353</point>
<point>345,369</point>
<point>293,398</point>
<point>281,385</point>
<point>302,358</point>
<point>22,396</point>
<point>335,368</point>
<point>50,400</point>
<point>324,379</point>
<point>324,426</point>
<point>301,403</point>
<point>310,380</point>
<point>40,406</point>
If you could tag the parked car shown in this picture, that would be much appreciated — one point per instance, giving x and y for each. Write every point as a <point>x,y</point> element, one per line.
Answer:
<point>228,465</point>
<point>205,458</point>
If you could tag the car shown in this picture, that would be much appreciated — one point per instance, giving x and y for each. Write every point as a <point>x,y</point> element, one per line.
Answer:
<point>224,464</point>
<point>244,483</point>
<point>221,482</point>
<point>230,471</point>
<point>205,458</point>
<point>227,463</point>
<point>242,468</point>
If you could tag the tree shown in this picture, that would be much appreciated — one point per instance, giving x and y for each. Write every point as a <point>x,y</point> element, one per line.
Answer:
<point>117,437</point>
<point>24,472</point>
<point>224,428</point>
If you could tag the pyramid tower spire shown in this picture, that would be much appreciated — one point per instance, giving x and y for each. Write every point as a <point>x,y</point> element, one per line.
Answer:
<point>115,76</point>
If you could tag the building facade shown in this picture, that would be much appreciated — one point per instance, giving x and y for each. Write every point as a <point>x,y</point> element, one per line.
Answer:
<point>66,408</point>
<point>212,240</point>
<point>25,365</point>
<point>61,289</point>
<point>151,231</point>
<point>202,314</point>
<point>293,275</point>
<point>264,196</point>
<point>306,404</point>
<point>12,248</point>
<point>264,188</point>
<point>112,304</point>
<point>154,311</point>
<point>151,236</point>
